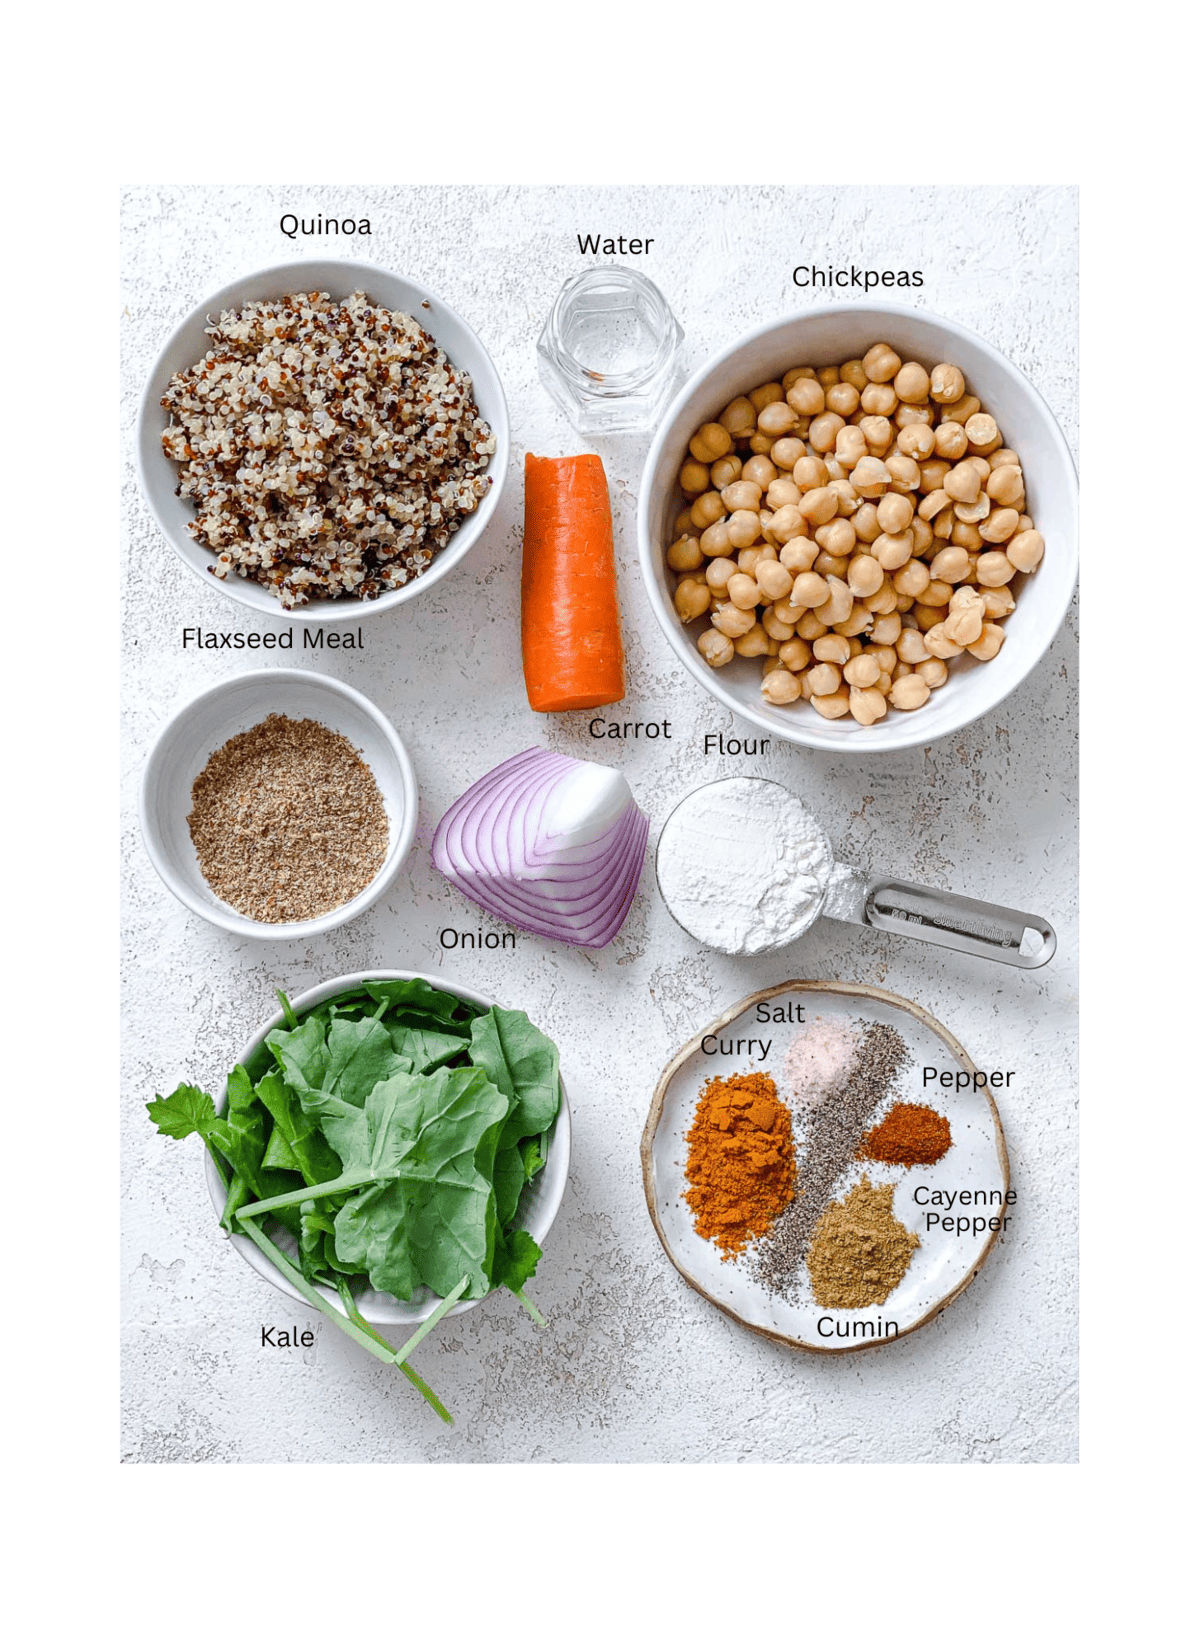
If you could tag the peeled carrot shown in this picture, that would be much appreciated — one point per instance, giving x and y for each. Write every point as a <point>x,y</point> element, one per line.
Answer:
<point>570,623</point>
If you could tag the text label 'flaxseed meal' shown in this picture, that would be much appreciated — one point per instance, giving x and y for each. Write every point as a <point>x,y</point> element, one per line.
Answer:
<point>283,641</point>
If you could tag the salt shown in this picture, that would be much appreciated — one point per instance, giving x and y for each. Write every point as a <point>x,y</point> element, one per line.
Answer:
<point>819,1060</point>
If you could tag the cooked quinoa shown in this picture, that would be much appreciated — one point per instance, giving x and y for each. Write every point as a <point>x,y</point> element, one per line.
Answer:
<point>330,447</point>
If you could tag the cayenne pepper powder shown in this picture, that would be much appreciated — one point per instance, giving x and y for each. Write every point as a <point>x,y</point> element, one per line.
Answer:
<point>741,1163</point>
<point>908,1134</point>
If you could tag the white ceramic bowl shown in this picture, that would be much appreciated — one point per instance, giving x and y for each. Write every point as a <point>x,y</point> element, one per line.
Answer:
<point>826,336</point>
<point>537,1209</point>
<point>205,723</point>
<point>339,277</point>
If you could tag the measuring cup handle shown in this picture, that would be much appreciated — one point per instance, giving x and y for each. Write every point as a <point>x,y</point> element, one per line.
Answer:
<point>955,923</point>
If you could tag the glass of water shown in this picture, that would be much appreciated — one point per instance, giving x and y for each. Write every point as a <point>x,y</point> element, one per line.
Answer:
<point>609,352</point>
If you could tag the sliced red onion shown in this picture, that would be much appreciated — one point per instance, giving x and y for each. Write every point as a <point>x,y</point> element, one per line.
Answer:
<point>548,844</point>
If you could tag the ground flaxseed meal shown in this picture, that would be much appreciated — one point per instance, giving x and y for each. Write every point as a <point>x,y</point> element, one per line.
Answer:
<point>860,1250</point>
<point>833,1133</point>
<point>287,821</point>
<point>330,447</point>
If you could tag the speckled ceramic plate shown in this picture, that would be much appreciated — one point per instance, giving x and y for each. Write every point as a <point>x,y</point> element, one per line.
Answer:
<point>977,1162</point>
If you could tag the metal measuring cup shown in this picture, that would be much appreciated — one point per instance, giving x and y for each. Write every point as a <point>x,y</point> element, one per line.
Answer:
<point>890,905</point>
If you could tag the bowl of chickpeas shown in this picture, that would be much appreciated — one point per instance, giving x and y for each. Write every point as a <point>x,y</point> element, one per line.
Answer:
<point>857,527</point>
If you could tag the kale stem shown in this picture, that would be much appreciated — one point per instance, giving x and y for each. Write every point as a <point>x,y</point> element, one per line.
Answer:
<point>530,1307</point>
<point>302,1284</point>
<point>289,1012</point>
<point>328,1188</point>
<point>432,1320</point>
<point>235,1191</point>
<point>356,1316</point>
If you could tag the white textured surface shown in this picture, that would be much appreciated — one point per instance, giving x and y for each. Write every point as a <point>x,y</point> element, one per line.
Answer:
<point>633,1366</point>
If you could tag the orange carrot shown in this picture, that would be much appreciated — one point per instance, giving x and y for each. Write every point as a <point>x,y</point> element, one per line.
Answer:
<point>570,624</point>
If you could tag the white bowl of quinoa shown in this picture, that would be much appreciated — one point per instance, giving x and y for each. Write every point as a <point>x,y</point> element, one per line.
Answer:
<point>323,440</point>
<point>278,804</point>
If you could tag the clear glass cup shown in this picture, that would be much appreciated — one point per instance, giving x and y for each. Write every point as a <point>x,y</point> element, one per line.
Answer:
<point>609,352</point>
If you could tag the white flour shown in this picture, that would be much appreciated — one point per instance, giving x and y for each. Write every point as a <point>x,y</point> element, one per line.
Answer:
<point>743,865</point>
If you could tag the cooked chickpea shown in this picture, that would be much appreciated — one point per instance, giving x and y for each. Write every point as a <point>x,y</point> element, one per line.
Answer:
<point>707,509</point>
<point>743,591</point>
<point>911,647</point>
<point>748,560</point>
<point>1006,485</point>
<point>907,416</point>
<point>794,376</point>
<point>862,671</point>
<point>886,631</point>
<point>998,603</point>
<point>741,495</point>
<point>760,444</point>
<point>895,512</point>
<point>744,528</point>
<point>777,628</point>
<point>764,395</point>
<point>881,363</point>
<point>823,678</point>
<point>685,555</point>
<point>809,590</point>
<point>1025,524</point>
<point>910,693</point>
<point>693,478</point>
<point>905,472</point>
<point>684,523</point>
<point>916,441</point>
<point>789,522</point>
<point>795,654</point>
<point>939,643</point>
<point>851,446</point>
<point>991,639</point>
<point>964,533</point>
<point>1025,551</point>
<point>878,400</point>
<point>692,598</point>
<point>786,452</point>
<point>732,621</point>
<point>981,430</point>
<point>946,383</point>
<point>808,473</point>
<point>865,521</point>
<point>718,573</point>
<point>864,575</point>
<point>823,431</point>
<point>780,687</point>
<point>714,540</point>
<point>842,398</point>
<point>836,537</point>
<point>806,398</point>
<point>798,554</point>
<point>754,644</point>
<point>994,568</point>
<point>851,372</point>
<point>838,607</point>
<point>962,483</point>
<point>975,512</point>
<point>957,412</point>
<point>711,441</point>
<point>964,625</point>
<point>922,536</point>
<point>777,419</point>
<point>867,705</point>
<point>818,505</point>
<point>760,470</point>
<point>832,649</point>
<point>774,581</point>
<point>810,627</point>
<point>877,433</point>
<point>739,418</point>
<point>831,564</point>
<point>999,526</point>
<point>892,550</point>
<point>827,376</point>
<point>937,593</point>
<point>933,672</point>
<point>934,503</point>
<point>715,648</point>
<point>926,615</point>
<point>870,477</point>
<point>912,382</point>
<point>950,441</point>
<point>782,492</point>
<point>726,471</point>
<point>933,474</point>
<point>832,705</point>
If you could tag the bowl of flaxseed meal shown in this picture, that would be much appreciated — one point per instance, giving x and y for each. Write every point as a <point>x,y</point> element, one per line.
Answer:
<point>323,440</point>
<point>278,804</point>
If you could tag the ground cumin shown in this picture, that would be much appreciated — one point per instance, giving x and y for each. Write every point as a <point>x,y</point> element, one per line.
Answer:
<point>860,1251</point>
<point>741,1163</point>
<point>908,1134</point>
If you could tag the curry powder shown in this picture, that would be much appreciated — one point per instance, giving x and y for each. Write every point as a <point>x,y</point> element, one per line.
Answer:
<point>741,1166</point>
